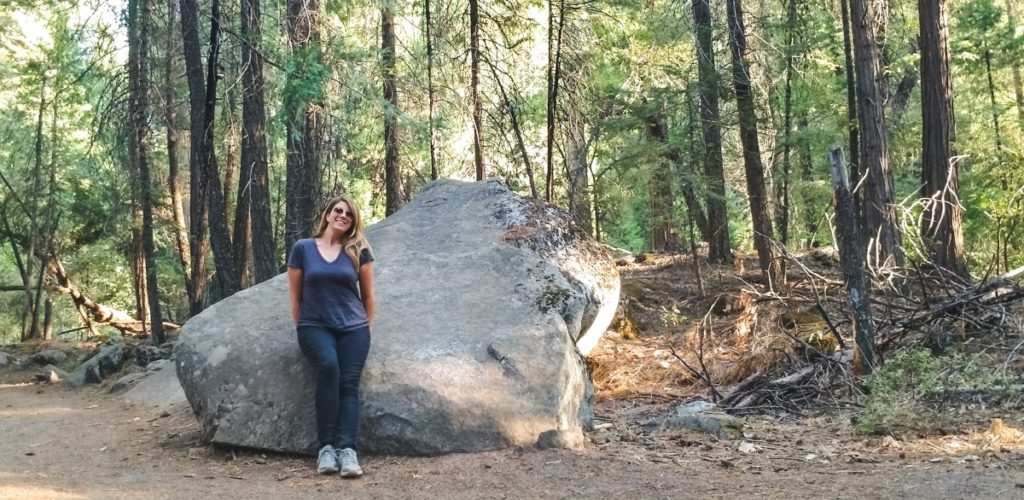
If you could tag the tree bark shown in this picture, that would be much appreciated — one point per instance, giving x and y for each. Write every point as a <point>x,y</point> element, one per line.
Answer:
<point>220,237</point>
<point>553,77</point>
<point>478,115</point>
<point>661,224</point>
<point>782,187</point>
<point>140,14</point>
<point>850,255</point>
<point>993,106</point>
<point>100,313</point>
<point>719,249</point>
<point>760,213</point>
<point>198,157</point>
<point>513,114</point>
<point>305,125</point>
<point>851,115</point>
<point>392,168</point>
<point>431,96</point>
<point>942,221</point>
<point>879,211</point>
<point>173,162</point>
<point>254,144</point>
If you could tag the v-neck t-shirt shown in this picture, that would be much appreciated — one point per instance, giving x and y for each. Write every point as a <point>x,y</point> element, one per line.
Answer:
<point>330,289</point>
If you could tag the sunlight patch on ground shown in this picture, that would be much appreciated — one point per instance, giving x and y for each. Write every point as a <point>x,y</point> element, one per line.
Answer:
<point>12,491</point>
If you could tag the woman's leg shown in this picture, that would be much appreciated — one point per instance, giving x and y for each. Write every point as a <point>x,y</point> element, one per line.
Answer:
<point>319,347</point>
<point>353,347</point>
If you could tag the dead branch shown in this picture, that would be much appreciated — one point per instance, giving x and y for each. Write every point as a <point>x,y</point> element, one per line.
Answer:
<point>100,313</point>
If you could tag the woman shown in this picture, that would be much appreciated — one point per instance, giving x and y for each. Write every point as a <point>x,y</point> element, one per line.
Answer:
<point>331,280</point>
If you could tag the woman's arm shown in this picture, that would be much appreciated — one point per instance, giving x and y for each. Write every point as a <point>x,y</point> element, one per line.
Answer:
<point>366,290</point>
<point>295,287</point>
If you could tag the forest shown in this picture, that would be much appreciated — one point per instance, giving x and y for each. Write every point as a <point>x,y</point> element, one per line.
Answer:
<point>157,156</point>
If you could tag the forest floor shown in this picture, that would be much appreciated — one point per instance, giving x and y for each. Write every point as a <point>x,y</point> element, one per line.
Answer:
<point>58,442</point>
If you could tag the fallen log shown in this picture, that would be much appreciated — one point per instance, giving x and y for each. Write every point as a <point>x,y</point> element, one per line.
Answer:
<point>101,314</point>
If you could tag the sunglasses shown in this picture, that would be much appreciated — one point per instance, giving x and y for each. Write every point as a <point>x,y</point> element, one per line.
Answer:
<point>342,211</point>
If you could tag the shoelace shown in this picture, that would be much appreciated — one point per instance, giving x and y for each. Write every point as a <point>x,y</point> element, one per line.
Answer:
<point>347,455</point>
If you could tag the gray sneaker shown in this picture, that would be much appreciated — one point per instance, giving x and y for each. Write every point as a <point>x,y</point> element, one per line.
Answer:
<point>327,460</point>
<point>349,463</point>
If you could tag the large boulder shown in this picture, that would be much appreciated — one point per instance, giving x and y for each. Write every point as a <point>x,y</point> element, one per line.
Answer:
<point>485,303</point>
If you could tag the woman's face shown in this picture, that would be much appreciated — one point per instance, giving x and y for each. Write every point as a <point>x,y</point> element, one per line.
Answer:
<point>340,217</point>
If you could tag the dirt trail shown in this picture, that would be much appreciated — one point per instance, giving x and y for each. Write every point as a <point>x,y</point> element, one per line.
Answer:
<point>65,443</point>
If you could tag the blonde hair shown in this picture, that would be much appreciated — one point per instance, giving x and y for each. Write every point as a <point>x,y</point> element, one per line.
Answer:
<point>353,242</point>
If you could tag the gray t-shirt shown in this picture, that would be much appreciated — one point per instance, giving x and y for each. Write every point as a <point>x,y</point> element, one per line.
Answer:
<point>330,290</point>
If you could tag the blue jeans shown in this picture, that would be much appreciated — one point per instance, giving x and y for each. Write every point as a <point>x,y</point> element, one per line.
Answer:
<point>338,357</point>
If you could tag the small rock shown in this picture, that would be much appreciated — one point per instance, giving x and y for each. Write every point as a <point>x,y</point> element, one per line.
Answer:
<point>4,359</point>
<point>159,364</point>
<point>694,407</point>
<point>719,425</point>
<point>125,382</point>
<point>49,357</point>
<point>147,354</point>
<point>748,448</point>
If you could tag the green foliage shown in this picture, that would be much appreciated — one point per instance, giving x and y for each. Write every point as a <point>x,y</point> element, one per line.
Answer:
<point>908,392</point>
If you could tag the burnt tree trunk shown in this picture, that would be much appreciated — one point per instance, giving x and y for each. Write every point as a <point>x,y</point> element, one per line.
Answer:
<point>850,255</point>
<point>760,213</point>
<point>198,156</point>
<point>220,237</point>
<point>254,144</point>
<point>719,249</point>
<point>851,114</point>
<point>880,214</point>
<point>392,171</point>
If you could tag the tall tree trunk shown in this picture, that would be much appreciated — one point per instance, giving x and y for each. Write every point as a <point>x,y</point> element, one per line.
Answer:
<point>478,115</point>
<point>305,125</point>
<point>688,173</point>
<point>810,214</point>
<point>851,116</point>
<point>431,96</point>
<point>140,12</point>
<point>554,74</point>
<point>992,103</point>
<point>198,157</point>
<point>29,317</point>
<point>254,144</point>
<point>577,159</point>
<point>879,212</point>
<point>220,238</point>
<point>662,224</point>
<point>760,213</point>
<point>392,171</point>
<point>173,163</point>
<point>513,114</point>
<point>782,187</point>
<point>232,134</point>
<point>719,249</point>
<point>942,222</point>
